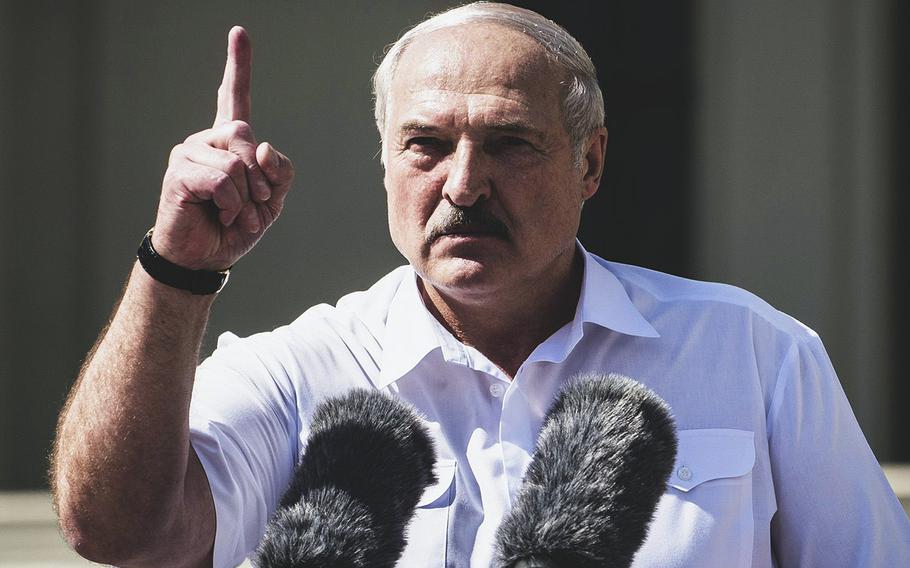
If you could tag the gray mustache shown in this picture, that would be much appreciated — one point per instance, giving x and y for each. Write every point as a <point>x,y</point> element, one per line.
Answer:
<point>476,218</point>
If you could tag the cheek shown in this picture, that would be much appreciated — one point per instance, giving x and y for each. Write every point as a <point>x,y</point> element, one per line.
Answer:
<point>398,218</point>
<point>545,207</point>
<point>411,201</point>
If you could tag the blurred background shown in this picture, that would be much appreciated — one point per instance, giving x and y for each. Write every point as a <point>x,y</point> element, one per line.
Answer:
<point>756,143</point>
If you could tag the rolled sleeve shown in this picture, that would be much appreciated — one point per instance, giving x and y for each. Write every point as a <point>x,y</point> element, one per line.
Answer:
<point>245,436</point>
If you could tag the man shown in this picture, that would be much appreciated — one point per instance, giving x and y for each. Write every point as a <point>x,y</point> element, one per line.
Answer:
<point>492,139</point>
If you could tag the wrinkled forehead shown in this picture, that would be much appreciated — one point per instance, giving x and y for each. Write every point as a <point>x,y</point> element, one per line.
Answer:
<point>475,57</point>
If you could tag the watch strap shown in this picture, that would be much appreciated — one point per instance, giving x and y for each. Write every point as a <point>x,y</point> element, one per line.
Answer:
<point>199,282</point>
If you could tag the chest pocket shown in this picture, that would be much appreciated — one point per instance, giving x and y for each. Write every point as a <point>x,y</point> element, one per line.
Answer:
<point>705,517</point>
<point>428,530</point>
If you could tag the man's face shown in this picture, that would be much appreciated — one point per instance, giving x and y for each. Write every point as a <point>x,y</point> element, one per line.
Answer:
<point>483,190</point>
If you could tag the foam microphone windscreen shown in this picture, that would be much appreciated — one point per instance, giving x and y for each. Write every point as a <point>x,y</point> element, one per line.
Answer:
<point>603,457</point>
<point>366,463</point>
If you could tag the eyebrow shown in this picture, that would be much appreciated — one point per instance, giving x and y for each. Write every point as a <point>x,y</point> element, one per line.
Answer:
<point>516,127</point>
<point>417,126</point>
<point>502,126</point>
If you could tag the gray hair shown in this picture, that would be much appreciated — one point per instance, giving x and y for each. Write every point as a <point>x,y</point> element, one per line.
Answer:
<point>582,104</point>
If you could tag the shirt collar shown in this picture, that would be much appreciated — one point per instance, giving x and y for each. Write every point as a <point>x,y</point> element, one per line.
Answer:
<point>412,332</point>
<point>604,301</point>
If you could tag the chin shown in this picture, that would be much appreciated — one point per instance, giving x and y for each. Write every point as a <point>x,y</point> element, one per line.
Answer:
<point>462,276</point>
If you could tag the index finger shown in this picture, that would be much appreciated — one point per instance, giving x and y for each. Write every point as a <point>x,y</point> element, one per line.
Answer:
<point>234,92</point>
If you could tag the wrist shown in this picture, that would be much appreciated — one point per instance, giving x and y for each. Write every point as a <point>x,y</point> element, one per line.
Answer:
<point>197,282</point>
<point>163,303</point>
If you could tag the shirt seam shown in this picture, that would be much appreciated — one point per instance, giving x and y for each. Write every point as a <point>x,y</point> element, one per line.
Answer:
<point>755,305</point>
<point>780,386</point>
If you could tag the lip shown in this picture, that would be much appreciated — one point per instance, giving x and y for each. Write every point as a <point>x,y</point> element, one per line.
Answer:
<point>468,235</point>
<point>471,230</point>
<point>467,244</point>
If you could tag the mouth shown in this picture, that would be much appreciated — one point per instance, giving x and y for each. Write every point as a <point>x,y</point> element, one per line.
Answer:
<point>465,224</point>
<point>470,231</point>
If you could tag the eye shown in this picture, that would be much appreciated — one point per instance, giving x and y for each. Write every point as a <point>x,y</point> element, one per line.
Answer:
<point>509,144</point>
<point>513,141</point>
<point>426,145</point>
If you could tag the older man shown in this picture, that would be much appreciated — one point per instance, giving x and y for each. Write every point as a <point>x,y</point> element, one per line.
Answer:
<point>492,139</point>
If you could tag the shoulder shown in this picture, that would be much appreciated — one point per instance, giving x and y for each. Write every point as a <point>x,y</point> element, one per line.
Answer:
<point>660,294</point>
<point>365,310</point>
<point>332,340</point>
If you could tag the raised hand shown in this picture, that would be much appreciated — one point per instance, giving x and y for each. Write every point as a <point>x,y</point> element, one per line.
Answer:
<point>221,190</point>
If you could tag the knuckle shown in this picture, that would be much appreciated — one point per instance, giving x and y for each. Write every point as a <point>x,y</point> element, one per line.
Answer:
<point>169,180</point>
<point>241,129</point>
<point>177,153</point>
<point>182,196</point>
<point>176,177</point>
<point>197,137</point>
<point>222,181</point>
<point>235,166</point>
<point>255,170</point>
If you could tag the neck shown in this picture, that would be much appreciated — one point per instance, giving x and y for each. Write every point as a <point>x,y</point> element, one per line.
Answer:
<point>509,327</point>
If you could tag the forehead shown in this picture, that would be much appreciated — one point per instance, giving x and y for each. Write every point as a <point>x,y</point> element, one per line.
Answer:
<point>476,64</point>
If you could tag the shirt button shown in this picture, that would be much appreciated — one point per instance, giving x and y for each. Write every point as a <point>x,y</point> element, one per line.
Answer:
<point>497,390</point>
<point>684,473</point>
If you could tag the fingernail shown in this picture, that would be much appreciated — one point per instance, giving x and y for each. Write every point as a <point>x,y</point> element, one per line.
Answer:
<point>265,192</point>
<point>273,157</point>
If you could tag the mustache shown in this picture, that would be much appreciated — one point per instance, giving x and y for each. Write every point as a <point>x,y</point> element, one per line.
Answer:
<point>475,219</point>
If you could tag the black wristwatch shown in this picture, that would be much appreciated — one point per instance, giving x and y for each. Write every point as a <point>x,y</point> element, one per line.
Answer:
<point>199,282</point>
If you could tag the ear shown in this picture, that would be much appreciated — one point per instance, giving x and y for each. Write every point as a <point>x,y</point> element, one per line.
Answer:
<point>593,161</point>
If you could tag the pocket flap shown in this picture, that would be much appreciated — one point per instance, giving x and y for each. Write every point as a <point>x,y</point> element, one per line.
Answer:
<point>708,454</point>
<point>436,495</point>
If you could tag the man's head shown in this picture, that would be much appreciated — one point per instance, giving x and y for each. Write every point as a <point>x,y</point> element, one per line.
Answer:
<point>489,151</point>
<point>582,101</point>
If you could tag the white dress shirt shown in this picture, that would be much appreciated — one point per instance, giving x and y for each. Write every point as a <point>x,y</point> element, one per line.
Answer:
<point>772,468</point>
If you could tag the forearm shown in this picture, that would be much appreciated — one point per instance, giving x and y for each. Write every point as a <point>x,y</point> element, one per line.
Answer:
<point>123,457</point>
<point>128,486</point>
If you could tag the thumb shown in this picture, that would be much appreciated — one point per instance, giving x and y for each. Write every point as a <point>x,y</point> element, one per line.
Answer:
<point>277,167</point>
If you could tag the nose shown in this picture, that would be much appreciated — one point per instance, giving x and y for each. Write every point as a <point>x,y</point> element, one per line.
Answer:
<point>467,180</point>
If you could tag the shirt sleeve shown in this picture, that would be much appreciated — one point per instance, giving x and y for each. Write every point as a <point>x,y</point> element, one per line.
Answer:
<point>243,427</point>
<point>834,504</point>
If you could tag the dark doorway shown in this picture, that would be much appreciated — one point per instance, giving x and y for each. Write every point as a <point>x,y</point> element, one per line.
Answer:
<point>644,57</point>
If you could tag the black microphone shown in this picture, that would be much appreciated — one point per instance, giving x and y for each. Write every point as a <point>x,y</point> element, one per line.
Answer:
<point>366,463</point>
<point>605,452</point>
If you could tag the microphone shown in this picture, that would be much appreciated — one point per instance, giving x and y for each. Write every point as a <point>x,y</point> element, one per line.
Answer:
<point>366,463</point>
<point>605,452</point>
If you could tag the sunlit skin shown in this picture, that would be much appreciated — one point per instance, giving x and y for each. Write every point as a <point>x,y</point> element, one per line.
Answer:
<point>129,488</point>
<point>475,120</point>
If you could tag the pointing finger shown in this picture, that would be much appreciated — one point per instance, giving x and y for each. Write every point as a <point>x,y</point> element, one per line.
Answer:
<point>234,93</point>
